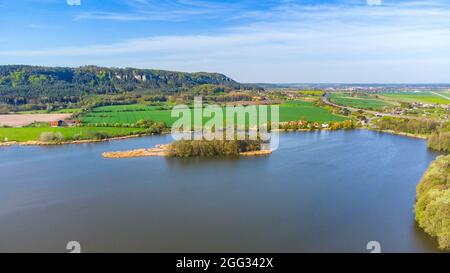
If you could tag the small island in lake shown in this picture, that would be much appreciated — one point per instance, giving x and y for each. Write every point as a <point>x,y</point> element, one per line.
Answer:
<point>198,148</point>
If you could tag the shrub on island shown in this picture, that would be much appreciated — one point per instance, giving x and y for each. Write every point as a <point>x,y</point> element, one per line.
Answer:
<point>210,148</point>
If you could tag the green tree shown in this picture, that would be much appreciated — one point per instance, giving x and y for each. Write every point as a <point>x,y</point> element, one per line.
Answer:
<point>17,77</point>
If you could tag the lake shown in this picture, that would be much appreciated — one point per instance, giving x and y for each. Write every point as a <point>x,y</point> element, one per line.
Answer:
<point>319,192</point>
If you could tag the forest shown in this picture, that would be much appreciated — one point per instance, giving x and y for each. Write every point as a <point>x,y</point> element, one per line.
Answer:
<point>36,85</point>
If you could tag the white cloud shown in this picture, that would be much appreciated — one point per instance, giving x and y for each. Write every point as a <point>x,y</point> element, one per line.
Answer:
<point>173,10</point>
<point>374,2</point>
<point>74,2</point>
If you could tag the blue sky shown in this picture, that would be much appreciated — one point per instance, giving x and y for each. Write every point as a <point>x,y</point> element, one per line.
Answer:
<point>365,41</point>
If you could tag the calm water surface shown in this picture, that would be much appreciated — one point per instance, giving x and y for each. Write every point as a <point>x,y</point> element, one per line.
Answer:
<point>319,192</point>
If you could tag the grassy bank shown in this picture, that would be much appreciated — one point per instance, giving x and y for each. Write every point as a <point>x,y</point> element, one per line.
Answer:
<point>433,201</point>
<point>33,133</point>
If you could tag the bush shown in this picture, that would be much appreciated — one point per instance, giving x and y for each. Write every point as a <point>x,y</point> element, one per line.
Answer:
<point>77,137</point>
<point>100,135</point>
<point>439,141</point>
<point>51,136</point>
<point>433,201</point>
<point>58,136</point>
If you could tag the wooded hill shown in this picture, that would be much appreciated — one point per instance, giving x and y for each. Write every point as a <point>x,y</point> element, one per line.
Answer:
<point>20,84</point>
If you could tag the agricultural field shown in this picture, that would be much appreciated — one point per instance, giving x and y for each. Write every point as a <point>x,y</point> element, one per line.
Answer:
<point>420,96</point>
<point>359,102</point>
<point>62,111</point>
<point>26,119</point>
<point>130,114</point>
<point>314,93</point>
<point>300,110</point>
<point>33,133</point>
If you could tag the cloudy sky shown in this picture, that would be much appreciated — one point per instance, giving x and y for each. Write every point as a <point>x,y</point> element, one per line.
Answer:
<point>362,41</point>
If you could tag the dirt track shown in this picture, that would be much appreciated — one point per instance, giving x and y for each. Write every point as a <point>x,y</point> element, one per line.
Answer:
<point>26,119</point>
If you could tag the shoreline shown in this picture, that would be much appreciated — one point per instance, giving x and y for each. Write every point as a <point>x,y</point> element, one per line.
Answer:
<point>400,134</point>
<point>85,141</point>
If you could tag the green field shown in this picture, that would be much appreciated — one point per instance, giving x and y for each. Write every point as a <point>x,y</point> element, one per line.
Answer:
<point>300,110</point>
<point>419,96</point>
<point>358,102</point>
<point>132,113</point>
<point>314,93</point>
<point>127,114</point>
<point>33,133</point>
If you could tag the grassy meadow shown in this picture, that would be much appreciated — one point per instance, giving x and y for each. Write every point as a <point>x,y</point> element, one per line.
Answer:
<point>419,96</point>
<point>33,133</point>
<point>358,102</point>
<point>127,114</point>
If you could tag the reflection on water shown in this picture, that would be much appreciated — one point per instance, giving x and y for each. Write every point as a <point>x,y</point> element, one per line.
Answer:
<point>320,192</point>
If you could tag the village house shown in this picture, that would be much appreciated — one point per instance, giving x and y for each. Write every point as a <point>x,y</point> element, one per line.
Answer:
<point>315,125</point>
<point>397,111</point>
<point>57,123</point>
<point>365,122</point>
<point>302,123</point>
<point>60,123</point>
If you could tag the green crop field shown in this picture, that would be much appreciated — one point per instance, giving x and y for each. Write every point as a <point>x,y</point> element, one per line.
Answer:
<point>315,93</point>
<point>420,96</point>
<point>132,113</point>
<point>33,133</point>
<point>300,110</point>
<point>127,114</point>
<point>122,114</point>
<point>355,102</point>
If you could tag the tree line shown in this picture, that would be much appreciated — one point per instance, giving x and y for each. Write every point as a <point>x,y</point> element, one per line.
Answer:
<point>438,133</point>
<point>412,126</point>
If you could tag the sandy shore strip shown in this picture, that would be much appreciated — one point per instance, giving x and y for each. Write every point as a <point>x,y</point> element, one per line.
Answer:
<point>158,150</point>
<point>7,144</point>
<point>256,153</point>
